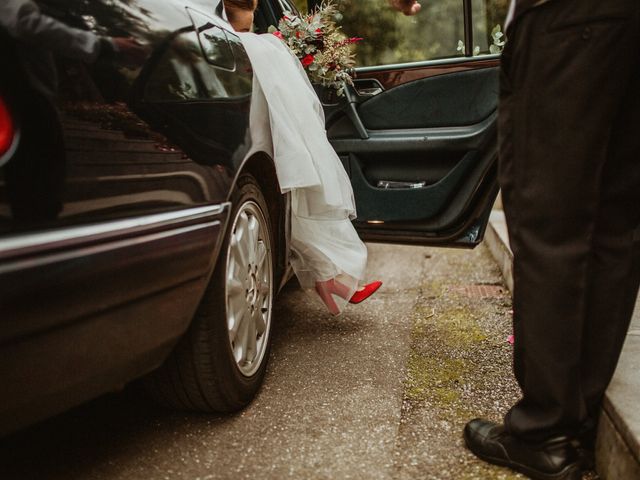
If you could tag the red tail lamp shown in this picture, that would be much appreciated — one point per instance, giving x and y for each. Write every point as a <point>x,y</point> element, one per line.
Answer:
<point>7,128</point>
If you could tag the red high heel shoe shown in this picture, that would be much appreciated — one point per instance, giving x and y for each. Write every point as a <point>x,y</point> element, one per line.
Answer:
<point>332,287</point>
<point>365,292</point>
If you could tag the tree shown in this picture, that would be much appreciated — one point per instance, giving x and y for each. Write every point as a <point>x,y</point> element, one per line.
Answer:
<point>390,37</point>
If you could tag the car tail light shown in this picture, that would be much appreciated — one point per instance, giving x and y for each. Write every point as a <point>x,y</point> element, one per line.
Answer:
<point>7,128</point>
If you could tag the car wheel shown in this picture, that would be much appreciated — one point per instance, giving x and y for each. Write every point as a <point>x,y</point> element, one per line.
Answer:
<point>220,362</point>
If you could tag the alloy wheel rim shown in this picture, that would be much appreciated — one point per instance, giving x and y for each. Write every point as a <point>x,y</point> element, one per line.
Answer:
<point>249,288</point>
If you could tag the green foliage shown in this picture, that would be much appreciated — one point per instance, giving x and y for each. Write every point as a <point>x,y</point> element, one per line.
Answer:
<point>301,5</point>
<point>390,37</point>
<point>498,40</point>
<point>497,43</point>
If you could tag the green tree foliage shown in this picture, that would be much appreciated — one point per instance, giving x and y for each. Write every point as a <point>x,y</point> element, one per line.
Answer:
<point>300,5</point>
<point>390,37</point>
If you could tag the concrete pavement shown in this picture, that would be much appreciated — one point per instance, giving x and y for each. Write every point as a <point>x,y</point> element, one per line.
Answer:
<point>381,392</point>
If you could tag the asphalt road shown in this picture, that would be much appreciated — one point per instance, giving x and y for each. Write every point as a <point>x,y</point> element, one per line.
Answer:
<point>380,392</point>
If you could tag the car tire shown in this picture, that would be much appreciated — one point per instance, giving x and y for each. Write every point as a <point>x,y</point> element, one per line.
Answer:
<point>219,364</point>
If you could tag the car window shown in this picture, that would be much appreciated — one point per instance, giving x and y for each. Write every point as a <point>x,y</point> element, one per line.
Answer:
<point>183,72</point>
<point>436,32</point>
<point>488,18</point>
<point>213,41</point>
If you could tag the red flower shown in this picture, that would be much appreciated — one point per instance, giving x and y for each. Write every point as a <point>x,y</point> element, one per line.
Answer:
<point>348,41</point>
<point>297,34</point>
<point>319,32</point>
<point>278,34</point>
<point>307,60</point>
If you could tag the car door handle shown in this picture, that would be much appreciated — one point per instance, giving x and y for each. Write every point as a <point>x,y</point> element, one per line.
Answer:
<point>369,92</point>
<point>367,87</point>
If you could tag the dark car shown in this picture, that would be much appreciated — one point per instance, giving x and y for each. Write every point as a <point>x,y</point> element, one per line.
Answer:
<point>138,240</point>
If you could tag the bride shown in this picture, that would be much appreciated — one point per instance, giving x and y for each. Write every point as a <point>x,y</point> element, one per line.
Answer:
<point>287,121</point>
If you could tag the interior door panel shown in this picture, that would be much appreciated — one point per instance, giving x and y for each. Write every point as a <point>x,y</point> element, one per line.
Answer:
<point>412,203</point>
<point>421,154</point>
<point>456,99</point>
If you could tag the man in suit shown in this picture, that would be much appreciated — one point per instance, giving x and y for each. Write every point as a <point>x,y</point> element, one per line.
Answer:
<point>35,175</point>
<point>569,169</point>
<point>39,36</point>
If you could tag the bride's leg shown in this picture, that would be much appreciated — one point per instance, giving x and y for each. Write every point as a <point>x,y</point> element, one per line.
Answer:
<point>341,289</point>
<point>324,247</point>
<point>325,292</point>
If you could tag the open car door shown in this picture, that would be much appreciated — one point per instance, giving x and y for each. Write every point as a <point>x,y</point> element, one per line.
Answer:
<point>419,139</point>
<point>422,155</point>
<point>417,131</point>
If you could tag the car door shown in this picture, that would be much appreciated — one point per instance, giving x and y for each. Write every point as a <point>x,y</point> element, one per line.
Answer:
<point>206,107</point>
<point>417,131</point>
<point>109,229</point>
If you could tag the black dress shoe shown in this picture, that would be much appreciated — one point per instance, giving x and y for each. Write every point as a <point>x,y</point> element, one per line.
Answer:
<point>553,459</point>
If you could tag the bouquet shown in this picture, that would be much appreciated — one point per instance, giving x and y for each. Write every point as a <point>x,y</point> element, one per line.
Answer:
<point>325,52</point>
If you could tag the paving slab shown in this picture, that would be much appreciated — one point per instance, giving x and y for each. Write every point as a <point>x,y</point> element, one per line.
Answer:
<point>459,367</point>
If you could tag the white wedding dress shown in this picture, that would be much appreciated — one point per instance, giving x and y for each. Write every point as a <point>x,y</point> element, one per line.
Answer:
<point>287,122</point>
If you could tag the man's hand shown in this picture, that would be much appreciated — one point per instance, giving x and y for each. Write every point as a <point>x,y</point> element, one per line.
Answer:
<point>408,7</point>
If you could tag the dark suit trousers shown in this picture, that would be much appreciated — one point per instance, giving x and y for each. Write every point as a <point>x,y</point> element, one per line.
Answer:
<point>569,142</point>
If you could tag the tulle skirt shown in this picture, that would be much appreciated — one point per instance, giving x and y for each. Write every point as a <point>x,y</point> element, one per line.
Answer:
<point>287,122</point>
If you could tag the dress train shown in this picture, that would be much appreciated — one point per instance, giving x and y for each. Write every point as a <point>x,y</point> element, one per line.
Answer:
<point>287,121</point>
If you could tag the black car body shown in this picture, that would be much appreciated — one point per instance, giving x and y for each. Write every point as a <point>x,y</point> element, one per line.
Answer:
<point>121,192</point>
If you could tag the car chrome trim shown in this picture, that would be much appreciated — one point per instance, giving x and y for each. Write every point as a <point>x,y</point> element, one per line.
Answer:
<point>84,251</point>
<point>30,243</point>
<point>426,63</point>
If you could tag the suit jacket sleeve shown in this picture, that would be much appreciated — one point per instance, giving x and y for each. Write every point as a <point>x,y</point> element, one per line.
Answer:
<point>24,21</point>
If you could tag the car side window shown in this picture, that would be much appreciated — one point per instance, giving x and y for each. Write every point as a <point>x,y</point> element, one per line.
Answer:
<point>213,41</point>
<point>437,31</point>
<point>209,64</point>
<point>488,18</point>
